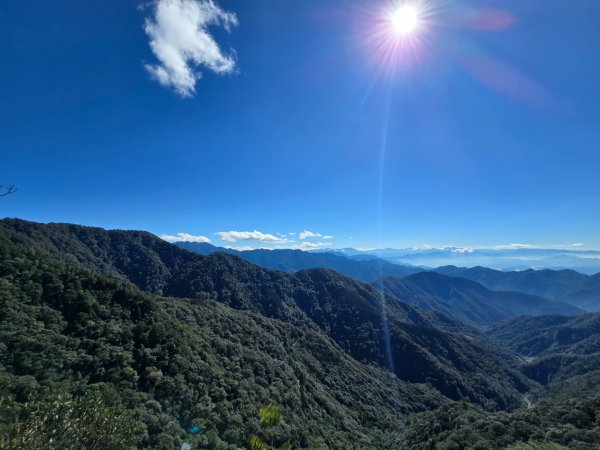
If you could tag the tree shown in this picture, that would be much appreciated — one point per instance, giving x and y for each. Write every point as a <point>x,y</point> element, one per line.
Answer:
<point>271,415</point>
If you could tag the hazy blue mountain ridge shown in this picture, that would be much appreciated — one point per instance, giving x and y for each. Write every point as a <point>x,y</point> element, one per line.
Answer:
<point>467,300</point>
<point>567,286</point>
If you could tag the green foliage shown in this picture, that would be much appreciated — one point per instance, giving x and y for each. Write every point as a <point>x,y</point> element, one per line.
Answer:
<point>531,445</point>
<point>271,418</point>
<point>257,444</point>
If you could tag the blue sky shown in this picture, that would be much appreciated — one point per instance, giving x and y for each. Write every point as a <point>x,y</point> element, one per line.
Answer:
<point>486,134</point>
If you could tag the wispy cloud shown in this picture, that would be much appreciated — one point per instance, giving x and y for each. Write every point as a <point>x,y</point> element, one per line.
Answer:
<point>539,247</point>
<point>243,248</point>
<point>513,246</point>
<point>310,245</point>
<point>234,236</point>
<point>183,237</point>
<point>180,40</point>
<point>499,247</point>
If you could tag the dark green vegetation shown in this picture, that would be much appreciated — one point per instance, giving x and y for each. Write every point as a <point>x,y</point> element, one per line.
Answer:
<point>568,286</point>
<point>467,300</point>
<point>291,261</point>
<point>124,328</point>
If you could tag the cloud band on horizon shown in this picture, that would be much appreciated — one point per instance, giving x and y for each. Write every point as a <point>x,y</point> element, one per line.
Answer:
<point>184,237</point>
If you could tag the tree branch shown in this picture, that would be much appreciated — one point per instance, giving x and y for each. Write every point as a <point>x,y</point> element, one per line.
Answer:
<point>7,190</point>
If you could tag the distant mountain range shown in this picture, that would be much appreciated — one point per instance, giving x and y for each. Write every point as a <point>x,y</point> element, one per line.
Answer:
<point>549,291</point>
<point>517,258</point>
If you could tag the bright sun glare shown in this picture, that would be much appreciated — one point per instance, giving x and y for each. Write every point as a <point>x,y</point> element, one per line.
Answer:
<point>405,20</point>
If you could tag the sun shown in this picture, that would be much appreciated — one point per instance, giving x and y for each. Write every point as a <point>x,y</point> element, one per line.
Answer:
<point>405,20</point>
<point>399,33</point>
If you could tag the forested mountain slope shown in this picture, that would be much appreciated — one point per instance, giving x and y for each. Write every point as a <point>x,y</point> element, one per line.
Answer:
<point>166,362</point>
<point>418,347</point>
<point>557,348</point>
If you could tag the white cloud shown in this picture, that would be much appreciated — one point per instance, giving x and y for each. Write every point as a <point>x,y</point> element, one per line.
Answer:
<point>461,250</point>
<point>184,237</point>
<point>234,236</point>
<point>180,40</point>
<point>310,234</point>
